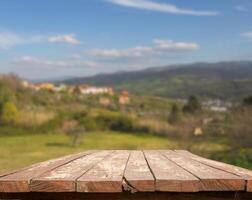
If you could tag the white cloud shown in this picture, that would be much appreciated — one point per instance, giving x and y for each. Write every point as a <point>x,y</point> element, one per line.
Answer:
<point>9,39</point>
<point>161,7</point>
<point>159,46</point>
<point>119,53</point>
<point>241,8</point>
<point>66,38</point>
<point>75,56</point>
<point>248,35</point>
<point>169,45</point>
<point>29,61</point>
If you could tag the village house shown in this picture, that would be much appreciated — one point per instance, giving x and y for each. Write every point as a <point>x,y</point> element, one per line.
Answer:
<point>218,105</point>
<point>46,86</point>
<point>104,101</point>
<point>89,90</point>
<point>80,89</point>
<point>124,98</point>
<point>60,88</point>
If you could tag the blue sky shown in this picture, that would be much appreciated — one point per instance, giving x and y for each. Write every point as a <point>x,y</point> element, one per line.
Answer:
<point>61,38</point>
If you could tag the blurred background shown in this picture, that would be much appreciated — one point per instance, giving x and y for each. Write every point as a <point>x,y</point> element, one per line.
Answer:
<point>125,74</point>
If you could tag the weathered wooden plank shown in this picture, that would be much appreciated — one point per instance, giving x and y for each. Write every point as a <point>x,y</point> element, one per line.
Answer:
<point>48,162</point>
<point>169,176</point>
<point>211,179</point>
<point>249,185</point>
<point>63,179</point>
<point>106,176</point>
<point>19,181</point>
<point>130,196</point>
<point>138,176</point>
<point>244,173</point>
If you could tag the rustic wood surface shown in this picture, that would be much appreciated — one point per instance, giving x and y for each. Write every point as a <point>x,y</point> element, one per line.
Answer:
<point>19,181</point>
<point>138,176</point>
<point>106,176</point>
<point>169,176</point>
<point>123,172</point>
<point>63,178</point>
<point>211,179</point>
<point>244,173</point>
<point>130,196</point>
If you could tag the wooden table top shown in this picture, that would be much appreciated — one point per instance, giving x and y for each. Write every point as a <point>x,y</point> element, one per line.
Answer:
<point>118,171</point>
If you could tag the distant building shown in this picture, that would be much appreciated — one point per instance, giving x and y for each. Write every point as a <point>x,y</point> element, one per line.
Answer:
<point>105,101</point>
<point>60,88</point>
<point>219,108</point>
<point>79,89</point>
<point>218,105</point>
<point>32,86</point>
<point>46,86</point>
<point>124,98</point>
<point>73,90</point>
<point>198,131</point>
<point>25,84</point>
<point>89,90</point>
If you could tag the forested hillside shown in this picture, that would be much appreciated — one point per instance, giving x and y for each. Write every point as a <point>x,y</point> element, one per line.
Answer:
<point>225,80</point>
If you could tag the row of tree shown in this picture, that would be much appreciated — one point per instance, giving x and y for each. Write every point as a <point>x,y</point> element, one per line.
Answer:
<point>192,106</point>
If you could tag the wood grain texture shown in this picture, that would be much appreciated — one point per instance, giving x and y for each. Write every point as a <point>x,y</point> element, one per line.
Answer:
<point>138,176</point>
<point>45,163</point>
<point>244,173</point>
<point>169,176</point>
<point>249,185</point>
<point>106,176</point>
<point>211,179</point>
<point>19,181</point>
<point>130,196</point>
<point>63,178</point>
<point>121,171</point>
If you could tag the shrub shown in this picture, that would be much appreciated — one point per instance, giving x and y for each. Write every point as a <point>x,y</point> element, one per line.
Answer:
<point>114,121</point>
<point>175,115</point>
<point>104,120</point>
<point>90,123</point>
<point>247,101</point>
<point>74,131</point>
<point>9,113</point>
<point>193,105</point>
<point>154,126</point>
<point>6,95</point>
<point>239,127</point>
<point>53,124</point>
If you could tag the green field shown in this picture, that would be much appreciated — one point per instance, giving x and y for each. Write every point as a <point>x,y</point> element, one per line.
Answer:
<point>21,150</point>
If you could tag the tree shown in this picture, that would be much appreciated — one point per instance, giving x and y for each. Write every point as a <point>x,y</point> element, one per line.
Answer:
<point>6,95</point>
<point>73,130</point>
<point>247,101</point>
<point>175,114</point>
<point>9,113</point>
<point>193,105</point>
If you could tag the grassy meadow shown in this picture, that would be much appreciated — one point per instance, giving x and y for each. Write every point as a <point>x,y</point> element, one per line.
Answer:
<point>17,151</point>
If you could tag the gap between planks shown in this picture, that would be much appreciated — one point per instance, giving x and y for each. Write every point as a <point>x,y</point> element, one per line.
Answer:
<point>19,181</point>
<point>244,173</point>
<point>137,175</point>
<point>106,176</point>
<point>139,171</point>
<point>169,177</point>
<point>64,178</point>
<point>211,179</point>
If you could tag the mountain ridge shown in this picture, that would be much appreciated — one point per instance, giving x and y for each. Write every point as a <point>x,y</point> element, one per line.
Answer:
<point>223,80</point>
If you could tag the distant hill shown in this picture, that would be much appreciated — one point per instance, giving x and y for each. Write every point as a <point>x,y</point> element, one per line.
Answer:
<point>224,80</point>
